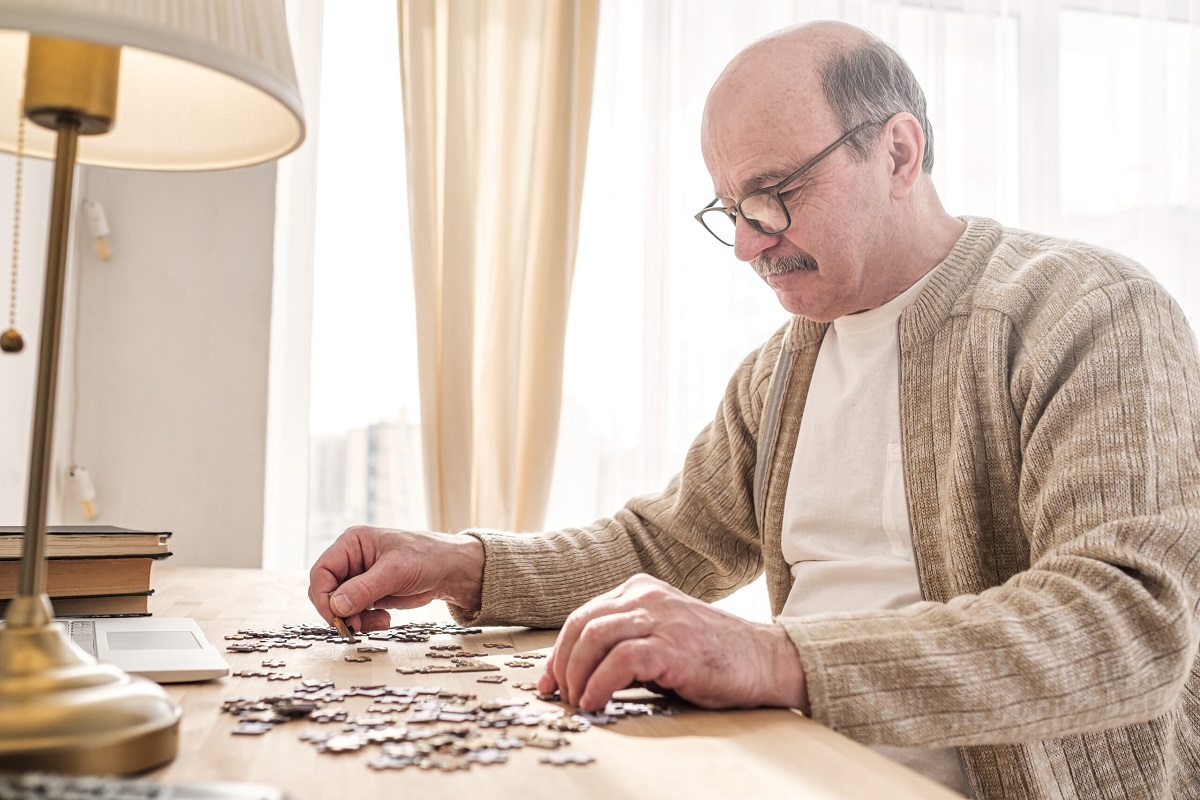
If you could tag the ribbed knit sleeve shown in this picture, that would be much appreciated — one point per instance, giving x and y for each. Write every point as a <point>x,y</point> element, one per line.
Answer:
<point>699,534</point>
<point>1053,466</point>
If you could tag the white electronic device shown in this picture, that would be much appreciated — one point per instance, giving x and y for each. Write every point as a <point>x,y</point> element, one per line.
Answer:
<point>163,649</point>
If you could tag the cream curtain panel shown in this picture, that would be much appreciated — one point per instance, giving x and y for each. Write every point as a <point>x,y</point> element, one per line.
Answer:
<point>496,99</point>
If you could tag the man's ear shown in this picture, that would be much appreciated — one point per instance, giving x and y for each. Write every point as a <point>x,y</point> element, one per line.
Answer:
<point>905,142</point>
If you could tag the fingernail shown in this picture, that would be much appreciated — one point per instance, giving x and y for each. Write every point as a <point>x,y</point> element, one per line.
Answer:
<point>340,604</point>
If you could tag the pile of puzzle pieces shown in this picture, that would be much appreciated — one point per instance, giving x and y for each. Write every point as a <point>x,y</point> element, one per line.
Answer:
<point>415,726</point>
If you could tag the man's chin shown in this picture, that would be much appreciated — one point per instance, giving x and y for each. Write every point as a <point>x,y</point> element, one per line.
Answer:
<point>797,295</point>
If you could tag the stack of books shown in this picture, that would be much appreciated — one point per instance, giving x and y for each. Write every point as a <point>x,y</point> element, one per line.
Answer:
<point>91,570</point>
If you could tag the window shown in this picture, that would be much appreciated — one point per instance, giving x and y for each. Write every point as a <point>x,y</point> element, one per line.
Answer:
<point>1130,170</point>
<point>365,456</point>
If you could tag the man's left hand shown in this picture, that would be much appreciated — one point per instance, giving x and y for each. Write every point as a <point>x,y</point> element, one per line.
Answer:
<point>647,631</point>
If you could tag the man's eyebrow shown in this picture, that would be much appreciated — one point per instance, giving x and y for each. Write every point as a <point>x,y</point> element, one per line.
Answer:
<point>759,181</point>
<point>769,178</point>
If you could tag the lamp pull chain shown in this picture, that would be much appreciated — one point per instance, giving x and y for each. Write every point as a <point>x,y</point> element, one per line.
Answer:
<point>11,340</point>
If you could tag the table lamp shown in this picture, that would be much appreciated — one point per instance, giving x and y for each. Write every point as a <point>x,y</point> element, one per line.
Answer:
<point>143,84</point>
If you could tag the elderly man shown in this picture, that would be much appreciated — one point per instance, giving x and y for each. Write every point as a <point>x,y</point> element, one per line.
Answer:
<point>969,467</point>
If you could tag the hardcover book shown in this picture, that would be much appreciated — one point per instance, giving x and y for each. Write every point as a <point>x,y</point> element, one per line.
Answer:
<point>68,576</point>
<point>87,540</point>
<point>105,605</point>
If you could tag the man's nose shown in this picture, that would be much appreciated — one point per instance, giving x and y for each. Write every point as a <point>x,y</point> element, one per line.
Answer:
<point>749,241</point>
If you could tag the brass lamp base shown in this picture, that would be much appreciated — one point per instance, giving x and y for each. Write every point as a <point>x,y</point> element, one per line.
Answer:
<point>60,711</point>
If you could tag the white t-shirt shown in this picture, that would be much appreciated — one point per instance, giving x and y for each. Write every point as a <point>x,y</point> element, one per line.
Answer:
<point>846,532</point>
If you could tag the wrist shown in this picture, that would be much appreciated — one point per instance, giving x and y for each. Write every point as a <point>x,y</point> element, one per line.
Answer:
<point>464,583</point>
<point>787,684</point>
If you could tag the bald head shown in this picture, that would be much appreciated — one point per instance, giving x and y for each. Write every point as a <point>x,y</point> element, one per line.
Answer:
<point>789,59</point>
<point>818,75</point>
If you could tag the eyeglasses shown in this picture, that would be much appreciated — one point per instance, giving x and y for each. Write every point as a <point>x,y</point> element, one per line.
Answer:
<point>763,209</point>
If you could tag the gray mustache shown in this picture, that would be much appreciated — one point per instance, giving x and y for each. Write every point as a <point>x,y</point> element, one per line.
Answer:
<point>767,265</point>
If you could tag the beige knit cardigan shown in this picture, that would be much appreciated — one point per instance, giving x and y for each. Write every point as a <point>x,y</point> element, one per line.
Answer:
<point>1049,397</point>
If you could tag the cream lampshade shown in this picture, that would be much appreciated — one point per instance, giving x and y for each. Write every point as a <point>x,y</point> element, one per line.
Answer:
<point>141,84</point>
<point>204,84</point>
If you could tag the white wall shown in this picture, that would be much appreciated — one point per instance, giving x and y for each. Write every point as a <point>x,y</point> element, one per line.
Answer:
<point>18,372</point>
<point>172,363</point>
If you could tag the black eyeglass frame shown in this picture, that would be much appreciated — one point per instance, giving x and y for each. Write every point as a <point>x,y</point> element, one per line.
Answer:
<point>775,190</point>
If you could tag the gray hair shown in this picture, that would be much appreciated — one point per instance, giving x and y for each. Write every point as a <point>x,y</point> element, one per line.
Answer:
<point>872,83</point>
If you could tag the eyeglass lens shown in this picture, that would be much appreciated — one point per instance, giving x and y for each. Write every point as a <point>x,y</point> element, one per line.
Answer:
<point>767,210</point>
<point>763,209</point>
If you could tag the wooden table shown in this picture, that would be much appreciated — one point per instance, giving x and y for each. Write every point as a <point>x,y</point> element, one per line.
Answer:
<point>695,754</point>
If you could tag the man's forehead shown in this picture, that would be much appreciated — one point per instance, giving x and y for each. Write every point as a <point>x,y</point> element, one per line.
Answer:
<point>760,116</point>
<point>746,148</point>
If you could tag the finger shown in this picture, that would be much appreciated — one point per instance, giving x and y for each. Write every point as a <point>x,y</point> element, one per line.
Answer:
<point>547,684</point>
<point>568,640</point>
<point>569,633</point>
<point>597,638</point>
<point>320,584</point>
<point>320,602</point>
<point>560,655</point>
<point>373,619</point>
<point>321,577</point>
<point>340,559</point>
<point>402,602</point>
<point>627,662</point>
<point>360,592</point>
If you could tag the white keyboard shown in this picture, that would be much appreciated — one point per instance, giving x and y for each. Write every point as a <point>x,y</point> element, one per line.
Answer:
<point>45,786</point>
<point>83,633</point>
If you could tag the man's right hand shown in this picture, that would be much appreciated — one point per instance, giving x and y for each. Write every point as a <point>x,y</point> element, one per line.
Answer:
<point>368,570</point>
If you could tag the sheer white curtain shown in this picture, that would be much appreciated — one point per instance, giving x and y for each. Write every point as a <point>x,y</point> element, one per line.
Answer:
<point>1072,118</point>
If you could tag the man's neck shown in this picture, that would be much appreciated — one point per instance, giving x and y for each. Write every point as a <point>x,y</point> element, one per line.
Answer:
<point>921,241</point>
